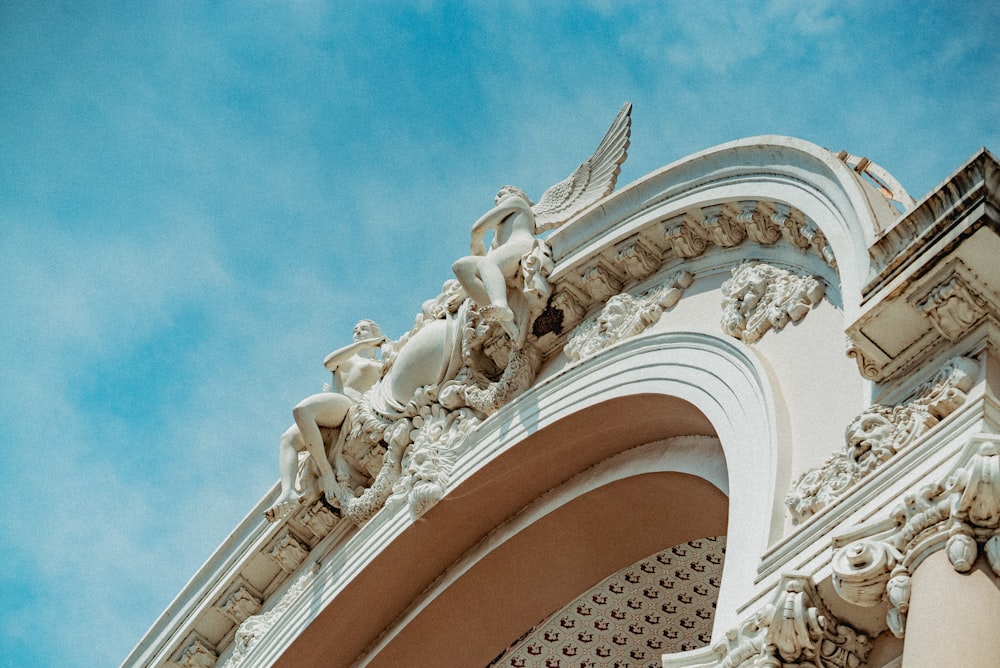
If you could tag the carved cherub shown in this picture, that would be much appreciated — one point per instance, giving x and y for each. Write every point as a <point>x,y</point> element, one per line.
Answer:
<point>355,370</point>
<point>489,275</point>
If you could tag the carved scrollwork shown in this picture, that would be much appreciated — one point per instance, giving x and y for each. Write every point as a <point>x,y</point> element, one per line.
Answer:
<point>878,433</point>
<point>960,515</point>
<point>759,297</point>
<point>794,628</point>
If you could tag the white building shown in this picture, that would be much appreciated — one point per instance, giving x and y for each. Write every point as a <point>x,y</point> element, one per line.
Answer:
<point>659,474</point>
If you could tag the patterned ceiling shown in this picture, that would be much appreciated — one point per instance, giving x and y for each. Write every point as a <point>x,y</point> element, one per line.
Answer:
<point>662,604</point>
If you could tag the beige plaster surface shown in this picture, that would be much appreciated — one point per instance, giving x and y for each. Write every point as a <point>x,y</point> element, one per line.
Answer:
<point>953,617</point>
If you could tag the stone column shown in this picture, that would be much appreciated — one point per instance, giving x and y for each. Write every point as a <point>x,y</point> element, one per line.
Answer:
<point>953,617</point>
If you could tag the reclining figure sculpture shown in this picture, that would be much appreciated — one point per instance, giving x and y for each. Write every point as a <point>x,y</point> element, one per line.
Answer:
<point>393,426</point>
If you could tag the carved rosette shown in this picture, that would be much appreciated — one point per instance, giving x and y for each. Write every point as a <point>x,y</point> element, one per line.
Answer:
<point>794,628</point>
<point>960,515</point>
<point>624,316</point>
<point>878,433</point>
<point>759,297</point>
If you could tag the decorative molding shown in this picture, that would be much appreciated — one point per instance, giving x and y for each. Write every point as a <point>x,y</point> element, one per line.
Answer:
<point>197,653</point>
<point>319,519</point>
<point>240,602</point>
<point>638,258</point>
<point>288,551</point>
<point>253,629</point>
<point>624,316</point>
<point>759,297</point>
<point>878,433</point>
<point>795,628</point>
<point>761,227</point>
<point>600,282</point>
<point>685,235</point>
<point>960,514</point>
<point>722,227</point>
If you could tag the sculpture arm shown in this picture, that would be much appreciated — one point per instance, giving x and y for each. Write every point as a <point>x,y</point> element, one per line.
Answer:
<point>337,357</point>
<point>489,221</point>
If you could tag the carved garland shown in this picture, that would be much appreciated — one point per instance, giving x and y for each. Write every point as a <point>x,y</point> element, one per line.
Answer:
<point>960,514</point>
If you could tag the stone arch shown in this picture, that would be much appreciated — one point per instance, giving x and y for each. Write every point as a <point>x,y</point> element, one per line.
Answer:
<point>661,386</point>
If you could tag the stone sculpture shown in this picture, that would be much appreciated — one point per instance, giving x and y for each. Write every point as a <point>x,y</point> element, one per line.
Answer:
<point>392,425</point>
<point>490,276</point>
<point>355,370</point>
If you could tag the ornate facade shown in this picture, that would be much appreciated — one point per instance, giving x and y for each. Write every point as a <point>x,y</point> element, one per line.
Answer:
<point>630,433</point>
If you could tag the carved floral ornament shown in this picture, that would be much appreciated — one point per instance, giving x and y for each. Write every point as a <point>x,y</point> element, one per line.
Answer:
<point>878,433</point>
<point>960,514</point>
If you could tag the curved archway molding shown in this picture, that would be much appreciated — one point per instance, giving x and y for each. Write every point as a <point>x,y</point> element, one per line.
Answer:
<point>663,385</point>
<point>529,535</point>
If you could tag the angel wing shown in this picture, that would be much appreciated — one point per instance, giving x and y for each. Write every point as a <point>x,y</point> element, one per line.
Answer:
<point>591,181</point>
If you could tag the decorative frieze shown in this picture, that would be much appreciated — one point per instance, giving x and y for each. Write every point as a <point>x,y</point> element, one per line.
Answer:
<point>960,514</point>
<point>761,228</point>
<point>600,282</point>
<point>723,228</point>
<point>253,629</point>
<point>953,307</point>
<point>319,519</point>
<point>638,258</point>
<point>760,297</point>
<point>878,433</point>
<point>685,236</point>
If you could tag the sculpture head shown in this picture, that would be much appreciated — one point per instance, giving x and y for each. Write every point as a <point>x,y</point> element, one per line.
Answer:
<point>615,312</point>
<point>512,190</point>
<point>366,329</point>
<point>870,437</point>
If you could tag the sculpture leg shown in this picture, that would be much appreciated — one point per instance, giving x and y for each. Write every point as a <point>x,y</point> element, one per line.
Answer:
<point>289,447</point>
<point>321,410</point>
<point>467,272</point>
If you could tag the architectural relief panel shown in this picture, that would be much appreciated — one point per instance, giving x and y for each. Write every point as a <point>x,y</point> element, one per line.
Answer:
<point>625,316</point>
<point>254,628</point>
<point>878,433</point>
<point>960,514</point>
<point>662,604</point>
<point>760,297</point>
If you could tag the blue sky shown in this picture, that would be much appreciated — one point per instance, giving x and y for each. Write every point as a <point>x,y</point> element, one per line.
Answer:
<point>198,200</point>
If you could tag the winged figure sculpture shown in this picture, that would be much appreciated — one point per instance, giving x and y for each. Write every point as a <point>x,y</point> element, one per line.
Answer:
<point>515,220</point>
